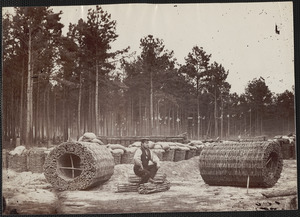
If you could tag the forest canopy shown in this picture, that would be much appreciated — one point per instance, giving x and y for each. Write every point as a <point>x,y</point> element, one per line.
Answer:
<point>58,86</point>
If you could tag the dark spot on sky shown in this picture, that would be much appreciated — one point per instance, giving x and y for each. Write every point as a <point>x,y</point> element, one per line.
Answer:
<point>175,6</point>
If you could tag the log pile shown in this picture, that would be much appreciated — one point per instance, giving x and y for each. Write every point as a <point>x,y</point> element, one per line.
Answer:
<point>225,164</point>
<point>78,165</point>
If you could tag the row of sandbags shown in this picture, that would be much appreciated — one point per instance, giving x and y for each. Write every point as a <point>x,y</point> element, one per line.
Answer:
<point>166,151</point>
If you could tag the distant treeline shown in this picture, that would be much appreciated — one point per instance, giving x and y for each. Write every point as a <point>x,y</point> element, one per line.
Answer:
<point>57,86</point>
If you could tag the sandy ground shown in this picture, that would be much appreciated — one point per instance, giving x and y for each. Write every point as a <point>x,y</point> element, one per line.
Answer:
<point>29,193</point>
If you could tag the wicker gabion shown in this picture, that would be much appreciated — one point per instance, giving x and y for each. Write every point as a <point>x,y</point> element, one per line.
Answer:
<point>231,165</point>
<point>36,160</point>
<point>168,155</point>
<point>127,157</point>
<point>78,165</point>
<point>4,159</point>
<point>190,153</point>
<point>17,159</point>
<point>180,153</point>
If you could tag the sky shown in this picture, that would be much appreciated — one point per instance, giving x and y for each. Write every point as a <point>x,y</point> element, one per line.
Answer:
<point>240,36</point>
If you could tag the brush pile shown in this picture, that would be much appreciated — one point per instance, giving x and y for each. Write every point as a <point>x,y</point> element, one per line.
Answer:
<point>78,165</point>
<point>160,183</point>
<point>148,188</point>
<point>225,164</point>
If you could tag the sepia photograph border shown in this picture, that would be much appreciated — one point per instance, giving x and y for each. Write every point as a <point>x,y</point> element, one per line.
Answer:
<point>296,11</point>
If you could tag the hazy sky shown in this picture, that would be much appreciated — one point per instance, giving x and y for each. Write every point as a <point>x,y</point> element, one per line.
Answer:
<point>240,36</point>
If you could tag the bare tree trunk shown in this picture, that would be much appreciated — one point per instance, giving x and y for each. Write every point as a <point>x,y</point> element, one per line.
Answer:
<point>79,107</point>
<point>96,100</point>
<point>215,114</point>
<point>141,117</point>
<point>198,110</point>
<point>21,103</point>
<point>222,119</point>
<point>89,123</point>
<point>28,138</point>
<point>37,114</point>
<point>48,115</point>
<point>151,105</point>
<point>54,116</point>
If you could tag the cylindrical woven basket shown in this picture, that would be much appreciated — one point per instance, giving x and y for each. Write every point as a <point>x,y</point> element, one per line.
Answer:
<point>127,157</point>
<point>232,164</point>
<point>190,153</point>
<point>168,155</point>
<point>4,158</point>
<point>159,153</point>
<point>199,149</point>
<point>117,158</point>
<point>179,155</point>
<point>78,165</point>
<point>36,160</point>
<point>17,162</point>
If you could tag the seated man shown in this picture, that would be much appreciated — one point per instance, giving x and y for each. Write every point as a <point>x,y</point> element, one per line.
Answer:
<point>146,163</point>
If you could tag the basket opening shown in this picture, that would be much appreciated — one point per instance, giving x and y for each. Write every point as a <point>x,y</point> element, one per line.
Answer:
<point>272,164</point>
<point>69,166</point>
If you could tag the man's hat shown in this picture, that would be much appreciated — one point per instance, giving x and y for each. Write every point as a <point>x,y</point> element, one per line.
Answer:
<point>143,140</point>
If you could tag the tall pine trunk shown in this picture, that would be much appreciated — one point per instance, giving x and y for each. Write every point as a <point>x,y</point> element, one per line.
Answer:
<point>21,103</point>
<point>215,115</point>
<point>79,107</point>
<point>151,105</point>
<point>28,137</point>
<point>96,100</point>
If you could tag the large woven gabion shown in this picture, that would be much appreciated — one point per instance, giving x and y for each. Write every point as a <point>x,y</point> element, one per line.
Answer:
<point>78,165</point>
<point>231,164</point>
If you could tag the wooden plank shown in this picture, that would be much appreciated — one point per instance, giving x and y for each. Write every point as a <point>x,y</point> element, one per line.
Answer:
<point>280,193</point>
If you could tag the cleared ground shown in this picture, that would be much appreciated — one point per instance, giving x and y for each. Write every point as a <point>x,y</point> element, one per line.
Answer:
<point>29,193</point>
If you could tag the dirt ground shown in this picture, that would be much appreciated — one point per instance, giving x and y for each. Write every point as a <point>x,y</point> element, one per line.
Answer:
<point>29,193</point>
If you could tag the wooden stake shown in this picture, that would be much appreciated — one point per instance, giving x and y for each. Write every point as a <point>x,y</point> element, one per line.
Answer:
<point>248,184</point>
